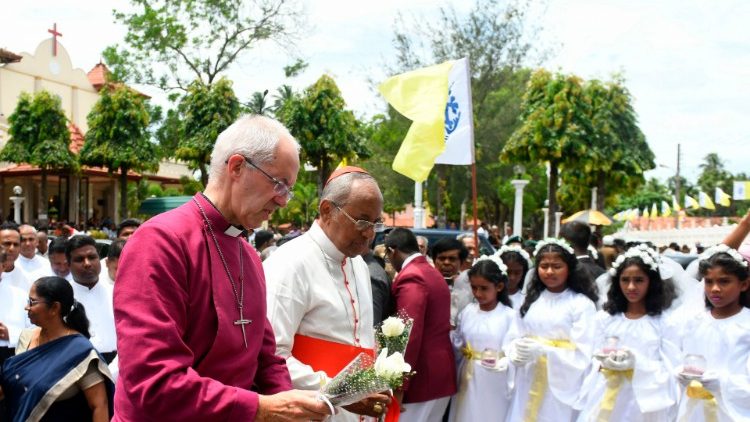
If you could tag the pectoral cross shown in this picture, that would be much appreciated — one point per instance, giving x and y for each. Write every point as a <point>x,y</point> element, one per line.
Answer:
<point>242,322</point>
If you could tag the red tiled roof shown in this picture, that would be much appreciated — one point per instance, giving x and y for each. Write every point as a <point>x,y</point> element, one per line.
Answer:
<point>98,76</point>
<point>76,139</point>
<point>9,57</point>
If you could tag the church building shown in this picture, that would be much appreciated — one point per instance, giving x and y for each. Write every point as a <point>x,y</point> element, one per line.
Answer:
<point>94,192</point>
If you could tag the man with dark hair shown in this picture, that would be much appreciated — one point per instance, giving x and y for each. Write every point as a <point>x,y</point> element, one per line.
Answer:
<point>109,269</point>
<point>57,259</point>
<point>579,235</point>
<point>419,289</point>
<point>96,297</point>
<point>10,239</point>
<point>127,227</point>
<point>42,243</point>
<point>448,254</point>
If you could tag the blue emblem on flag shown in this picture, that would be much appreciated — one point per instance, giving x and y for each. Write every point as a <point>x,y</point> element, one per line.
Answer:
<point>452,114</point>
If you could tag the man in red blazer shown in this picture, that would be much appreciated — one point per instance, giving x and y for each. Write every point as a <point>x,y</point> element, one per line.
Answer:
<point>420,290</point>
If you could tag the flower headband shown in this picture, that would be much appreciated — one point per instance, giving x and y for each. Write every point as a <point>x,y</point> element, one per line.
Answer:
<point>722,248</point>
<point>553,241</point>
<point>496,259</point>
<point>517,249</point>
<point>594,253</point>
<point>643,252</point>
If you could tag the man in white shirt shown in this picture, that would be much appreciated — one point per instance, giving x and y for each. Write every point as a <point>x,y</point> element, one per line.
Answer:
<point>319,293</point>
<point>10,239</point>
<point>32,264</point>
<point>96,297</point>
<point>57,259</point>
<point>12,316</point>
<point>43,243</point>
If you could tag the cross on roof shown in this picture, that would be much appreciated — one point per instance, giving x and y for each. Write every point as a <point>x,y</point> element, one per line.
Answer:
<point>55,34</point>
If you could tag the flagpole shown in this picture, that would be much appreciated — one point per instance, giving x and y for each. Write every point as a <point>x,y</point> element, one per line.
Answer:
<point>418,210</point>
<point>474,203</point>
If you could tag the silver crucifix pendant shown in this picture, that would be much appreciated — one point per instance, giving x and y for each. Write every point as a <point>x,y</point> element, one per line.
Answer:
<point>241,323</point>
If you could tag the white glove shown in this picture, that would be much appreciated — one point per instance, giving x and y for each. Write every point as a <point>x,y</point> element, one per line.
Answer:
<point>621,360</point>
<point>500,366</point>
<point>524,350</point>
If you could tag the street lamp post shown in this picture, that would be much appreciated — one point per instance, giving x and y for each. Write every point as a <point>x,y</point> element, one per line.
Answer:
<point>17,200</point>
<point>545,230</point>
<point>519,184</point>
<point>558,215</point>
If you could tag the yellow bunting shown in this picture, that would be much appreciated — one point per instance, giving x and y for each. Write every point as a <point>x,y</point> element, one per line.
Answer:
<point>696,391</point>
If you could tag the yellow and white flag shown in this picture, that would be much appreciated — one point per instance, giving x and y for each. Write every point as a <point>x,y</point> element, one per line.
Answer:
<point>741,191</point>
<point>654,211</point>
<point>666,211</point>
<point>705,201</point>
<point>722,198</point>
<point>645,213</point>
<point>437,99</point>
<point>691,203</point>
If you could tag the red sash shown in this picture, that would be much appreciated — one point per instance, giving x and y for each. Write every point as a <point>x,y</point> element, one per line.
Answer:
<point>324,355</point>
<point>331,357</point>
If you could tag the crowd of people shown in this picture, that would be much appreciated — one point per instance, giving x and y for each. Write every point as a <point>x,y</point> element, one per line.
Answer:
<point>198,317</point>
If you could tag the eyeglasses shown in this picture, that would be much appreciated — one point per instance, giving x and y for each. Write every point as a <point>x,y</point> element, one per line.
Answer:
<point>279,188</point>
<point>31,302</point>
<point>362,225</point>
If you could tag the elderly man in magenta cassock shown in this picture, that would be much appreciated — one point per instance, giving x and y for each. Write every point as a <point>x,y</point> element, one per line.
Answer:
<point>319,292</point>
<point>193,339</point>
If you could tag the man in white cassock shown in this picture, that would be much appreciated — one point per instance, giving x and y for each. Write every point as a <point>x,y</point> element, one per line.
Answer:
<point>319,293</point>
<point>12,315</point>
<point>10,239</point>
<point>35,266</point>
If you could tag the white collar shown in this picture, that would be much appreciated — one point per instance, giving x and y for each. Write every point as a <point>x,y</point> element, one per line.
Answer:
<point>26,259</point>
<point>318,236</point>
<point>409,259</point>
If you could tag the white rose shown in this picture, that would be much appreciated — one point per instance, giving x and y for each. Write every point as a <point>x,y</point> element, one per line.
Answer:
<point>390,366</point>
<point>393,327</point>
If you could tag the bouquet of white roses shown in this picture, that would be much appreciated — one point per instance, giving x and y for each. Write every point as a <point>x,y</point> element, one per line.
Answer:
<point>363,377</point>
<point>393,333</point>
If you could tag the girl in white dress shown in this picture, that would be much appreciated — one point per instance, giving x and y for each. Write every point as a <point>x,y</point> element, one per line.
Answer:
<point>483,392</point>
<point>631,378</point>
<point>716,343</point>
<point>518,262</point>
<point>551,340</point>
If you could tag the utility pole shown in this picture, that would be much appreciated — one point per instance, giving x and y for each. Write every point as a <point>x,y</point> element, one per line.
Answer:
<point>677,190</point>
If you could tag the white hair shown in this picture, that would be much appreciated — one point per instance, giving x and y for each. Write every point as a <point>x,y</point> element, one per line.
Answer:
<point>253,136</point>
<point>339,189</point>
<point>23,226</point>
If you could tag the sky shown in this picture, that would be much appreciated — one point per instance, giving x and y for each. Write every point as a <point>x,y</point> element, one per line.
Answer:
<point>685,62</point>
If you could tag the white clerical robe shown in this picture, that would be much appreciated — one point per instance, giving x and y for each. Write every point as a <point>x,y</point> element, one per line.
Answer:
<point>566,317</point>
<point>18,278</point>
<point>35,268</point>
<point>652,392</point>
<point>725,344</point>
<point>98,304</point>
<point>308,294</point>
<point>12,311</point>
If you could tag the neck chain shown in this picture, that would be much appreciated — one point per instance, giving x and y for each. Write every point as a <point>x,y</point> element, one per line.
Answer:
<point>239,299</point>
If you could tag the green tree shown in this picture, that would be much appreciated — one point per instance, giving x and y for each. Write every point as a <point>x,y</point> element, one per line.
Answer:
<point>651,192</point>
<point>171,42</point>
<point>39,136</point>
<point>326,130</point>
<point>714,175</point>
<point>617,155</point>
<point>118,137</point>
<point>204,112</point>
<point>554,128</point>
